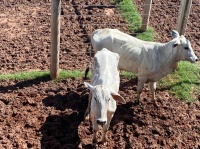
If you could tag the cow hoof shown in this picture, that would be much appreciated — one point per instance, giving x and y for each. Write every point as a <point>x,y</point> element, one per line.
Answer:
<point>80,145</point>
<point>87,117</point>
<point>104,140</point>
<point>104,143</point>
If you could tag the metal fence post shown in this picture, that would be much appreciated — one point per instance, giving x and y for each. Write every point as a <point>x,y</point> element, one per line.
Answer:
<point>55,38</point>
<point>183,15</point>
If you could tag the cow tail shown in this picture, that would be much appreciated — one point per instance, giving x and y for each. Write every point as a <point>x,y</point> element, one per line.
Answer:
<point>89,64</point>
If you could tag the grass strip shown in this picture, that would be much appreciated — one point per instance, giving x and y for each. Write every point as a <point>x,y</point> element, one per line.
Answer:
<point>129,12</point>
<point>41,74</point>
<point>184,83</point>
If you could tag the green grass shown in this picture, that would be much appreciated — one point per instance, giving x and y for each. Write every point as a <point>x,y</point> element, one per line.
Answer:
<point>71,73</point>
<point>24,75</point>
<point>130,13</point>
<point>184,83</point>
<point>148,35</point>
<point>63,74</point>
<point>128,75</point>
<point>41,74</point>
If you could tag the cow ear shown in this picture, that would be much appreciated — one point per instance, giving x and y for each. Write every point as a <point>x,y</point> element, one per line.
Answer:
<point>175,34</point>
<point>118,98</point>
<point>89,86</point>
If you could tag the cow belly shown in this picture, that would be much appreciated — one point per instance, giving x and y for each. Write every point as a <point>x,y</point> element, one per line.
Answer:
<point>127,65</point>
<point>155,75</point>
<point>128,61</point>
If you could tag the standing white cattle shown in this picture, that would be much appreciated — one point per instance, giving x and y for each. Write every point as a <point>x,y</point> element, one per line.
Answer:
<point>104,89</point>
<point>150,61</point>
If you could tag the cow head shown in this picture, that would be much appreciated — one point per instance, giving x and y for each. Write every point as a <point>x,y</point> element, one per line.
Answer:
<point>103,100</point>
<point>183,44</point>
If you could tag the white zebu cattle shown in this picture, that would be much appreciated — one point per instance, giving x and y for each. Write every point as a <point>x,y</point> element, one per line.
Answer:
<point>104,89</point>
<point>149,60</point>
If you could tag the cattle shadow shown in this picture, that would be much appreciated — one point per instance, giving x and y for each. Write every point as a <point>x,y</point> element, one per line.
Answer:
<point>25,83</point>
<point>128,83</point>
<point>136,32</point>
<point>61,130</point>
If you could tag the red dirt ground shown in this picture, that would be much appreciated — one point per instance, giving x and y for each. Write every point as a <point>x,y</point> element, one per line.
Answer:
<point>48,114</point>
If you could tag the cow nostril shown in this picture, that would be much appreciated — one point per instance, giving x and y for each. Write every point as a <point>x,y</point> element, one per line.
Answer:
<point>196,60</point>
<point>101,122</point>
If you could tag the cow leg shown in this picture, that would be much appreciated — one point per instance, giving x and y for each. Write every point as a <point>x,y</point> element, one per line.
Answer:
<point>106,126</point>
<point>94,139</point>
<point>140,86</point>
<point>153,89</point>
<point>95,129</point>
<point>104,137</point>
<point>86,116</point>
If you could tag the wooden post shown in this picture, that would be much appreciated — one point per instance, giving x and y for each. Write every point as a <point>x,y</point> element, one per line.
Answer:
<point>183,15</point>
<point>55,38</point>
<point>146,14</point>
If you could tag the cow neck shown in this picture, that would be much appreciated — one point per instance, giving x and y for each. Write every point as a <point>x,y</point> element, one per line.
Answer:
<point>170,59</point>
<point>170,52</point>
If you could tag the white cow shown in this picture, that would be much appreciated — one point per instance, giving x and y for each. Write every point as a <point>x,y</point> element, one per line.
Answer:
<point>150,61</point>
<point>104,89</point>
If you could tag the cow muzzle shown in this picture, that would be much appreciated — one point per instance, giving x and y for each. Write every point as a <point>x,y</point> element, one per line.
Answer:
<point>193,59</point>
<point>101,122</point>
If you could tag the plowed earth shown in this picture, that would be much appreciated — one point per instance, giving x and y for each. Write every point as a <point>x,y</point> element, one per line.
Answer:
<point>44,113</point>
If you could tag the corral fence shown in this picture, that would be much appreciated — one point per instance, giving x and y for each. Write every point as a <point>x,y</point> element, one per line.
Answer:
<point>183,15</point>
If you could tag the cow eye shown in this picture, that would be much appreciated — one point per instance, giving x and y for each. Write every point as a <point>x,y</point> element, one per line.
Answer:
<point>95,98</point>
<point>186,48</point>
<point>108,99</point>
